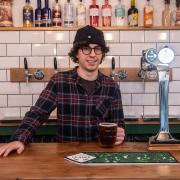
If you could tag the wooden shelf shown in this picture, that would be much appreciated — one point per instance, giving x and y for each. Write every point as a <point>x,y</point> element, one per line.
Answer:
<point>74,28</point>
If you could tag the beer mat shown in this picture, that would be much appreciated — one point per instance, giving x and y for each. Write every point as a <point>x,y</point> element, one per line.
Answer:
<point>115,158</point>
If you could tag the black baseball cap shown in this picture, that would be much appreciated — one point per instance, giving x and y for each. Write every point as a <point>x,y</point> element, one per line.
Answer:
<point>89,35</point>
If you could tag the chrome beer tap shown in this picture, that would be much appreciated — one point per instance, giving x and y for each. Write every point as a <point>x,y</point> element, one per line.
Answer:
<point>159,62</point>
<point>55,65</point>
<point>27,74</point>
<point>113,72</point>
<point>121,74</point>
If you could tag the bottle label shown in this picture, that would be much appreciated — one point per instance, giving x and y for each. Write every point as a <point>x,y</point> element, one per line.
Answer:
<point>148,16</point>
<point>68,23</point>
<point>120,21</point>
<point>38,19</point>
<point>81,20</point>
<point>28,15</point>
<point>133,19</point>
<point>120,12</point>
<point>56,16</point>
<point>94,12</point>
<point>106,12</point>
<point>81,16</point>
<point>68,15</point>
<point>46,19</point>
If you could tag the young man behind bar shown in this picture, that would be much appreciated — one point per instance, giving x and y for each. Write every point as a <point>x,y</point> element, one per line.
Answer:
<point>83,96</point>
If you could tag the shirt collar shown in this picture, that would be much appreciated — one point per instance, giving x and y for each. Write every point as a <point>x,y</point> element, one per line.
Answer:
<point>76,77</point>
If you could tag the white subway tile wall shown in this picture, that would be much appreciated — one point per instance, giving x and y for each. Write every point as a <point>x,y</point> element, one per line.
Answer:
<point>3,50</point>
<point>40,48</point>
<point>31,37</point>
<point>3,75</point>
<point>131,36</point>
<point>9,37</point>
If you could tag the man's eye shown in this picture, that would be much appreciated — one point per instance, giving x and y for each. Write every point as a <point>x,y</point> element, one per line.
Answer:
<point>86,48</point>
<point>98,49</point>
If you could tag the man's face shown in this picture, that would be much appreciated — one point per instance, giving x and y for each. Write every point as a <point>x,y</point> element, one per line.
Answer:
<point>90,57</point>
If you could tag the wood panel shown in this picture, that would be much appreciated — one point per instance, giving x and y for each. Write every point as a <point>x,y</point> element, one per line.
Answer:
<point>18,74</point>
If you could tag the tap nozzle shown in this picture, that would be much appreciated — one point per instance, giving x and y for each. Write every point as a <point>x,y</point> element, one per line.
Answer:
<point>27,74</point>
<point>55,65</point>
<point>113,73</point>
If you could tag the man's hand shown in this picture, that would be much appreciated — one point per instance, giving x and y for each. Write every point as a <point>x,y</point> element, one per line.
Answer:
<point>15,145</point>
<point>120,136</point>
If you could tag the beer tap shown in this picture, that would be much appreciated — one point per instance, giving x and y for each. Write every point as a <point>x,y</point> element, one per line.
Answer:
<point>148,70</point>
<point>39,74</point>
<point>122,74</point>
<point>113,73</point>
<point>55,65</point>
<point>27,74</point>
<point>159,63</point>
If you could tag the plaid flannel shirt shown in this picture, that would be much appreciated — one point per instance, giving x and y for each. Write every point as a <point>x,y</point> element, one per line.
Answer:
<point>78,113</point>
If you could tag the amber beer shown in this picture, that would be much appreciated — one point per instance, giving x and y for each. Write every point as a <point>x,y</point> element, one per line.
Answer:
<point>107,134</point>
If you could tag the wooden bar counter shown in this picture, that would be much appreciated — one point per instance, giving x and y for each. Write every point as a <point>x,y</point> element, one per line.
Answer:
<point>46,161</point>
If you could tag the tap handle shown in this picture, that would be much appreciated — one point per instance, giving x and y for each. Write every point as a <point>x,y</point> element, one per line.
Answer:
<point>55,63</point>
<point>113,63</point>
<point>25,64</point>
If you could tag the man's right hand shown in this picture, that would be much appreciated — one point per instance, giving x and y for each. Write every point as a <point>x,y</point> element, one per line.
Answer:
<point>12,146</point>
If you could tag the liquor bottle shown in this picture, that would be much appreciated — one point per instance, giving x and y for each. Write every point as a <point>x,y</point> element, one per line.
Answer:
<point>106,13</point>
<point>94,13</point>
<point>175,15</point>
<point>38,14</point>
<point>119,14</point>
<point>46,15</point>
<point>81,14</point>
<point>28,14</point>
<point>166,14</point>
<point>56,14</point>
<point>148,15</point>
<point>133,14</point>
<point>68,14</point>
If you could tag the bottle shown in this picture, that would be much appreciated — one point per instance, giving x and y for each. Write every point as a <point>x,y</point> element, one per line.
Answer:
<point>46,15</point>
<point>94,13</point>
<point>81,14</point>
<point>119,14</point>
<point>175,15</point>
<point>56,14</point>
<point>166,14</point>
<point>28,14</point>
<point>106,13</point>
<point>38,14</point>
<point>148,15</point>
<point>68,14</point>
<point>133,14</point>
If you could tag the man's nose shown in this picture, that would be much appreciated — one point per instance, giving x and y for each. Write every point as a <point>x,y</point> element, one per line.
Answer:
<point>92,52</point>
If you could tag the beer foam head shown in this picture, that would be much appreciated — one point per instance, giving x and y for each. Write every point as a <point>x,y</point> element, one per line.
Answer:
<point>107,124</point>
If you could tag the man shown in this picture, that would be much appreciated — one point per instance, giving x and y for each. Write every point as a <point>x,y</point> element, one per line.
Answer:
<point>83,97</point>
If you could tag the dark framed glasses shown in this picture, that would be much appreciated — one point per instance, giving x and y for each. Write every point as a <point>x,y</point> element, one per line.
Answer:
<point>87,50</point>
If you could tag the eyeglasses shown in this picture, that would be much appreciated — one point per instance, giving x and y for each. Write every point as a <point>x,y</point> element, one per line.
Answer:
<point>87,50</point>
